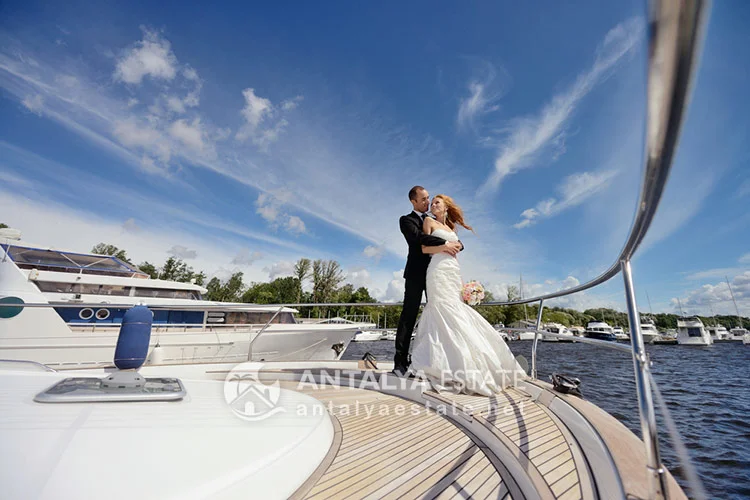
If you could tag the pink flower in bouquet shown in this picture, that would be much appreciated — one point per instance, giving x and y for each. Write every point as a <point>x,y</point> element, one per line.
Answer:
<point>472,293</point>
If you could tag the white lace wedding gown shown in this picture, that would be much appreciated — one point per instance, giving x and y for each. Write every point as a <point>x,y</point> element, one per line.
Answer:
<point>455,348</point>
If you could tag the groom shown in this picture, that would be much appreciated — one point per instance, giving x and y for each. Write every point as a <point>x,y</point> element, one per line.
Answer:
<point>415,272</point>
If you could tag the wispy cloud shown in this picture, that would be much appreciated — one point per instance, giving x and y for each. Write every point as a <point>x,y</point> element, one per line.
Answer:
<point>263,126</point>
<point>573,190</point>
<point>34,103</point>
<point>482,98</point>
<point>529,137</point>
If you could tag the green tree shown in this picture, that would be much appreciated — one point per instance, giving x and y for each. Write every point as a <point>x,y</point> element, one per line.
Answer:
<point>107,249</point>
<point>3,225</point>
<point>149,269</point>
<point>301,272</point>
<point>327,276</point>
<point>230,291</point>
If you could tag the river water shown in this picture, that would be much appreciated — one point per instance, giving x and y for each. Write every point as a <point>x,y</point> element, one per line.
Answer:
<point>707,390</point>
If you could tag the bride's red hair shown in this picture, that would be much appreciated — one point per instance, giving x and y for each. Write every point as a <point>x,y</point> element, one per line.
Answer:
<point>454,214</point>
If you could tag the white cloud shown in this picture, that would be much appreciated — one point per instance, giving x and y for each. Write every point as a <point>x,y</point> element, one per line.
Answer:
<point>190,134</point>
<point>395,290</point>
<point>132,102</point>
<point>130,226</point>
<point>745,259</point>
<point>181,252</point>
<point>255,111</point>
<point>35,103</point>
<point>246,258</point>
<point>261,126</point>
<point>291,104</point>
<point>175,104</point>
<point>574,190</point>
<point>280,269</point>
<point>269,207</point>
<point>151,56</point>
<point>530,136</point>
<point>358,277</point>
<point>131,133</point>
<point>295,225</point>
<point>374,252</point>
<point>717,297</point>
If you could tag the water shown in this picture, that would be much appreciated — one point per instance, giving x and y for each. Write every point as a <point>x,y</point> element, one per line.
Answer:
<point>706,390</point>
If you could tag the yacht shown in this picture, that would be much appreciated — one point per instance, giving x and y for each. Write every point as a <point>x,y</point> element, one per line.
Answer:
<point>620,334</point>
<point>559,330</point>
<point>737,333</point>
<point>337,429</point>
<point>599,330</point>
<point>718,333</point>
<point>690,331</point>
<point>649,331</point>
<point>91,293</point>
<point>389,335</point>
<point>578,330</point>
<point>367,336</point>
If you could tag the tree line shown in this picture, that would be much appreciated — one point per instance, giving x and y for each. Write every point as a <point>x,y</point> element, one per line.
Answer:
<point>328,285</point>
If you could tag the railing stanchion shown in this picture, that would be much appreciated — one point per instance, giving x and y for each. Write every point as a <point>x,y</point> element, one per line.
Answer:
<point>536,338</point>
<point>643,390</point>
<point>263,329</point>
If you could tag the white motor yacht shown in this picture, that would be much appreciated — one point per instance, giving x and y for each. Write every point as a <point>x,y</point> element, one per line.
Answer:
<point>620,334</point>
<point>649,331</point>
<point>690,331</point>
<point>367,336</point>
<point>737,333</point>
<point>86,290</point>
<point>599,330</point>
<point>557,328</point>
<point>718,333</point>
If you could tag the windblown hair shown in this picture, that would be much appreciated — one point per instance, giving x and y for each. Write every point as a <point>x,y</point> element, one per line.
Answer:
<point>413,192</point>
<point>454,215</point>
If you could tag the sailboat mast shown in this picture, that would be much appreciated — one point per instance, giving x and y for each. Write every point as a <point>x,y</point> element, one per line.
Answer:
<point>525,311</point>
<point>735,302</point>
<point>682,313</point>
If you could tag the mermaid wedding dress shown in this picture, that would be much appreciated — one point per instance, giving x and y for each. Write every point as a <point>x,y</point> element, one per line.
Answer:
<point>455,348</point>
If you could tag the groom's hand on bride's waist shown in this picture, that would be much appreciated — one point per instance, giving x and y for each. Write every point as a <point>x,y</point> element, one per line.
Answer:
<point>452,247</point>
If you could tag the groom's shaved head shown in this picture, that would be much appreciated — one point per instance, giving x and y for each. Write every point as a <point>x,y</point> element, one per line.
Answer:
<point>414,192</point>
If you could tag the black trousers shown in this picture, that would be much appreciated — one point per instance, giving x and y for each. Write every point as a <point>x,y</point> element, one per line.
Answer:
<point>412,298</point>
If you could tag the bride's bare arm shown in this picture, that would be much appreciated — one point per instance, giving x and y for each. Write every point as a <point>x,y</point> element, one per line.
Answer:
<point>451,247</point>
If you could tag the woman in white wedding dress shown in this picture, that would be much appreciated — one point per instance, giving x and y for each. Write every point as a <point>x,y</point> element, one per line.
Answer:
<point>455,348</point>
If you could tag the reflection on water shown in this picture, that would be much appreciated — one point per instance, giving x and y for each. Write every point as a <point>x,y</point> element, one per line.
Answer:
<point>706,390</point>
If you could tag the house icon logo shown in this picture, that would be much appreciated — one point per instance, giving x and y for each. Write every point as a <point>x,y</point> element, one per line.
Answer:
<point>248,397</point>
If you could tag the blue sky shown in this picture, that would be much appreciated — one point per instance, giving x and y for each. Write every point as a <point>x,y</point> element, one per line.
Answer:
<point>247,136</point>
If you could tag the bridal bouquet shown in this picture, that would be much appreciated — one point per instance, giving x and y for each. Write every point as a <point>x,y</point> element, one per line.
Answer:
<point>472,293</point>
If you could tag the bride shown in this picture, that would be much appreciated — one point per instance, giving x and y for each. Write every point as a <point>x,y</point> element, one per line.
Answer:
<point>455,348</point>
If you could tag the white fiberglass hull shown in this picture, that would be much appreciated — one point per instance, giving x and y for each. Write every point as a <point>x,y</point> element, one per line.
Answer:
<point>704,340</point>
<point>277,343</point>
<point>367,336</point>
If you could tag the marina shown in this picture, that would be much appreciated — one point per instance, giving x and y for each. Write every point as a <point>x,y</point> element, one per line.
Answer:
<point>122,385</point>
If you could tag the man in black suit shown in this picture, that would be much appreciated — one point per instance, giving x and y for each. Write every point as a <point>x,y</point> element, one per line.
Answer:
<point>415,272</point>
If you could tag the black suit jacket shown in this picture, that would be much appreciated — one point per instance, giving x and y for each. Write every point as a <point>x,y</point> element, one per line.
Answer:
<point>416,262</point>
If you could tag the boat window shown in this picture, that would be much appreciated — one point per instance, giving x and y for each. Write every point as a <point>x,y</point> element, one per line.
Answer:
<point>166,293</point>
<point>694,332</point>
<point>258,318</point>
<point>87,288</point>
<point>53,260</point>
